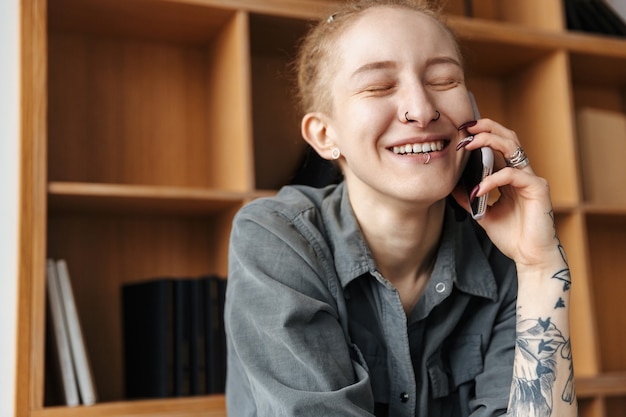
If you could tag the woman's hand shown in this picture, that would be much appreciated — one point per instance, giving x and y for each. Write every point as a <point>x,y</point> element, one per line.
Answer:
<point>520,223</point>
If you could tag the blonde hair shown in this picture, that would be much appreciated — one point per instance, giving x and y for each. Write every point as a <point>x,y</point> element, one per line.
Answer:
<point>316,53</point>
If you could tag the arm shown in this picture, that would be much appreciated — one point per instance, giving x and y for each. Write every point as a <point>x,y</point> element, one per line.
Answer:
<point>521,225</point>
<point>287,351</point>
<point>543,375</point>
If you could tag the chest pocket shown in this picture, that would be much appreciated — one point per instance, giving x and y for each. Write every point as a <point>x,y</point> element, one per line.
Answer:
<point>456,364</point>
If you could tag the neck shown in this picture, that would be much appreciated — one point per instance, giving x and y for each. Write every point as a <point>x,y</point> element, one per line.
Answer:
<point>403,241</point>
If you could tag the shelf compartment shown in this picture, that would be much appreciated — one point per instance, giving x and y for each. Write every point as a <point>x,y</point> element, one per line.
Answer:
<point>148,107</point>
<point>607,245</point>
<point>278,144</point>
<point>511,96</point>
<point>106,250</point>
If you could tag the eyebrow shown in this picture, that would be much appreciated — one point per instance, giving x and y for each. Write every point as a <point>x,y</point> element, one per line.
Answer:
<point>443,60</point>
<point>373,66</point>
<point>440,60</point>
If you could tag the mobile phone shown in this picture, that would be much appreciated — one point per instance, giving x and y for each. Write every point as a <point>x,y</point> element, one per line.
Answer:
<point>479,166</point>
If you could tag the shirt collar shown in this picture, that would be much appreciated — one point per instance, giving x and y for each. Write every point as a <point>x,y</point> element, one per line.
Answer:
<point>462,257</point>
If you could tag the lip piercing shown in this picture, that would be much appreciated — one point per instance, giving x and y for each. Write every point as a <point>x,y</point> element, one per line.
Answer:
<point>406,117</point>
<point>427,159</point>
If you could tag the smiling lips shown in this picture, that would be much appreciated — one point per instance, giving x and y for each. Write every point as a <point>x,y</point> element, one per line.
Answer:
<point>416,148</point>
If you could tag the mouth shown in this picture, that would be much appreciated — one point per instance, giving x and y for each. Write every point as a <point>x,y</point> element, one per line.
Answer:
<point>420,148</point>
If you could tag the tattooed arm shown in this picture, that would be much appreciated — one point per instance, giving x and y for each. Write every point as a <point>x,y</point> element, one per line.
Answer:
<point>543,374</point>
<point>521,224</point>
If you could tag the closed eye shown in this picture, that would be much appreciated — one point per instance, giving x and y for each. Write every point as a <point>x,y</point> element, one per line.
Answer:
<point>378,89</point>
<point>444,84</point>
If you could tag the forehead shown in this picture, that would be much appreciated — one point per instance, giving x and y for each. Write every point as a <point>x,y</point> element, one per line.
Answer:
<point>392,34</point>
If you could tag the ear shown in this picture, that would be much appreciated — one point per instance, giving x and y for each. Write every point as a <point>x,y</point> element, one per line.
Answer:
<point>316,130</point>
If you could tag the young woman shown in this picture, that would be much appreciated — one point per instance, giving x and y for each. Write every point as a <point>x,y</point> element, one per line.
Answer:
<point>378,296</point>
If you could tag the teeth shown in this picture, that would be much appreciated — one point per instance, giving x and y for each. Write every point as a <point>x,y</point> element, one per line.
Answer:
<point>419,148</point>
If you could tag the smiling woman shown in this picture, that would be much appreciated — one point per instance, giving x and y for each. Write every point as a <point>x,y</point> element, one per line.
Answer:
<point>379,295</point>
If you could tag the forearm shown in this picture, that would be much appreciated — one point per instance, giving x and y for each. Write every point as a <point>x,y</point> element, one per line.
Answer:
<point>543,375</point>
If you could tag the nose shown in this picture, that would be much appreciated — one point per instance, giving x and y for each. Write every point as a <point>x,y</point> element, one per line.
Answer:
<point>418,108</point>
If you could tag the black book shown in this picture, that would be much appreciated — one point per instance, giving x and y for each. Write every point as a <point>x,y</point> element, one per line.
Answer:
<point>221,366</point>
<point>613,20</point>
<point>571,16</point>
<point>593,16</point>
<point>148,338</point>
<point>182,337</point>
<point>197,357</point>
<point>212,329</point>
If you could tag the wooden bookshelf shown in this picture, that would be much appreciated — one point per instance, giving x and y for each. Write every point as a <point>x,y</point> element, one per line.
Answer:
<point>147,124</point>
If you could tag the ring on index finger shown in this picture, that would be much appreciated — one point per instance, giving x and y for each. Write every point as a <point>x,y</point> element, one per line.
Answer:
<point>518,160</point>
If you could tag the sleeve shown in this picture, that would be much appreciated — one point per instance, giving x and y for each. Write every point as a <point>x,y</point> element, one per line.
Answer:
<point>493,385</point>
<point>287,352</point>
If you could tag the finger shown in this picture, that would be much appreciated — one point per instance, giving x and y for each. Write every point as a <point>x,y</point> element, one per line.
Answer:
<point>502,140</point>
<point>524,182</point>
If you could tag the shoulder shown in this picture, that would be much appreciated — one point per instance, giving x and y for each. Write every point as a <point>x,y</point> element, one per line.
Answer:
<point>292,202</point>
<point>295,214</point>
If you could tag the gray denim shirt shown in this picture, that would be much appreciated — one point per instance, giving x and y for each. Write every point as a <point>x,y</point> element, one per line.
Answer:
<point>313,329</point>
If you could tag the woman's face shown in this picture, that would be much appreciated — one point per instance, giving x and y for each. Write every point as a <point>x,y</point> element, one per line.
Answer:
<point>389,62</point>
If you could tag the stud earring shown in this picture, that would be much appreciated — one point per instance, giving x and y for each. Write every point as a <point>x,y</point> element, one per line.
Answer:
<point>335,153</point>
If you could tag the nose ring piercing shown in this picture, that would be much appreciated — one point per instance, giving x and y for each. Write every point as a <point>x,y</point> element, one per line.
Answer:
<point>406,117</point>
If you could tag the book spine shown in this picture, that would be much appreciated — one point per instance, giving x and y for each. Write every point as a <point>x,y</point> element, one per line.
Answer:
<point>68,377</point>
<point>148,338</point>
<point>182,336</point>
<point>77,341</point>
<point>197,342</point>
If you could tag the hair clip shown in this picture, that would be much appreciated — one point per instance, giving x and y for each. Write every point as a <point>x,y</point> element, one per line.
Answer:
<point>331,18</point>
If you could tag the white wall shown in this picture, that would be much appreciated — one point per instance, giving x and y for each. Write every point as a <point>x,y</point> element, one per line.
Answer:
<point>9,197</point>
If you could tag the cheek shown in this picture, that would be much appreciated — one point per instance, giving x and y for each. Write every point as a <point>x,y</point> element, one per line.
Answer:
<point>456,106</point>
<point>363,118</point>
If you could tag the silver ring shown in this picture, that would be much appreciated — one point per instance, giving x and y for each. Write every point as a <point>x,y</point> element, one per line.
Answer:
<point>518,160</point>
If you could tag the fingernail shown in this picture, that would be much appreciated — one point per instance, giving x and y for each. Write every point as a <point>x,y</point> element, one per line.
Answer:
<point>464,142</point>
<point>473,193</point>
<point>467,124</point>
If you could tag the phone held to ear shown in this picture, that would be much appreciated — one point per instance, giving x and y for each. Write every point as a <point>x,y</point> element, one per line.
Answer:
<point>479,166</point>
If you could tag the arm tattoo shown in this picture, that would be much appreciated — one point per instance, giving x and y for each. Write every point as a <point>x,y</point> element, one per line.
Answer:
<point>539,342</point>
<point>564,274</point>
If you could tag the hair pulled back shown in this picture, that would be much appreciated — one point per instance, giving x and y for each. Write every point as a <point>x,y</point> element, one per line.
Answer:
<point>317,53</point>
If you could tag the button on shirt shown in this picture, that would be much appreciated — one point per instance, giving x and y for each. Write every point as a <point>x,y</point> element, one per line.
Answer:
<point>314,329</point>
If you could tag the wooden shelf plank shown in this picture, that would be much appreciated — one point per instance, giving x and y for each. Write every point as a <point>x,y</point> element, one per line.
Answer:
<point>144,198</point>
<point>605,209</point>
<point>604,385</point>
<point>519,35</point>
<point>209,406</point>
